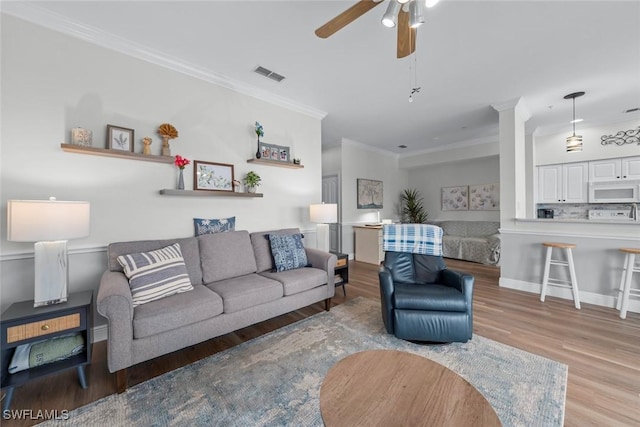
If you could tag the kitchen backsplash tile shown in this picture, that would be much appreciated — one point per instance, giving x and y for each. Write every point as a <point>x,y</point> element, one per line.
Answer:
<point>579,210</point>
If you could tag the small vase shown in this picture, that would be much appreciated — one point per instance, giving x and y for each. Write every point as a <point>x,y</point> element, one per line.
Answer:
<point>181,181</point>
<point>258,155</point>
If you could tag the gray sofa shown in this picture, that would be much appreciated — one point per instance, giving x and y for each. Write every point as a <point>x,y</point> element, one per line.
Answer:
<point>234,287</point>
<point>477,241</point>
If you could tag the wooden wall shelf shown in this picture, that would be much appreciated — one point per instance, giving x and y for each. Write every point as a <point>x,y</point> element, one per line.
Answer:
<point>275,163</point>
<point>79,149</point>
<point>206,193</point>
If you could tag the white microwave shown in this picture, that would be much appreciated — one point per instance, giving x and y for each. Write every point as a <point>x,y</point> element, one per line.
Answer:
<point>614,191</point>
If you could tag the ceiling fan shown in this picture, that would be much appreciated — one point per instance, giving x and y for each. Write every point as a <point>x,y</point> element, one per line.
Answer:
<point>407,15</point>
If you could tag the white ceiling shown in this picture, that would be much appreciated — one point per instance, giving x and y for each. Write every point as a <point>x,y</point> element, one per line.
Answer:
<point>470,55</point>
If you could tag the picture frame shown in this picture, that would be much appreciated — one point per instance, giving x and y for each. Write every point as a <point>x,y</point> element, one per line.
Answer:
<point>212,176</point>
<point>370,194</point>
<point>455,198</point>
<point>119,138</point>
<point>484,197</point>
<point>278,153</point>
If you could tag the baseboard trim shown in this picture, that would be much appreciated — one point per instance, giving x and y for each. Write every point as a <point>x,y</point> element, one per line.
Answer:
<point>586,297</point>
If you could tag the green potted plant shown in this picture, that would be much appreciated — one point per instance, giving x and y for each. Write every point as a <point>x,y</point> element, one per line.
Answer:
<point>252,181</point>
<point>413,211</point>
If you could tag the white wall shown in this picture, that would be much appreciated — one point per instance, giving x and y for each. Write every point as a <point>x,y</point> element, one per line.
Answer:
<point>429,180</point>
<point>551,148</point>
<point>52,82</point>
<point>360,161</point>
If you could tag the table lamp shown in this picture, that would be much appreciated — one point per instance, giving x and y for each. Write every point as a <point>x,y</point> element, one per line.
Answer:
<point>323,215</point>
<point>49,223</point>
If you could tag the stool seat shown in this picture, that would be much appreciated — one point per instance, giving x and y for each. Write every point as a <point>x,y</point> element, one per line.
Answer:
<point>625,291</point>
<point>549,261</point>
<point>559,245</point>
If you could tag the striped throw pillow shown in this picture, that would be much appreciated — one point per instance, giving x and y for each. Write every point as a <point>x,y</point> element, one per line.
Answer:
<point>156,274</point>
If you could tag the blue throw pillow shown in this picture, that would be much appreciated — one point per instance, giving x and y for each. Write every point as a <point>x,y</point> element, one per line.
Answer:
<point>288,251</point>
<point>210,226</point>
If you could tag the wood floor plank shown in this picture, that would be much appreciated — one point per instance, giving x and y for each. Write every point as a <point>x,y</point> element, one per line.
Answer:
<point>601,350</point>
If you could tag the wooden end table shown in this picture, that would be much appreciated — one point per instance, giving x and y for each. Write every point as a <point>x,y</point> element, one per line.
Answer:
<point>21,323</point>
<point>342,271</point>
<point>395,388</point>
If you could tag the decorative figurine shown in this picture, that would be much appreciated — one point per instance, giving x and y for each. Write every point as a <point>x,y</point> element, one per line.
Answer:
<point>147,146</point>
<point>167,132</point>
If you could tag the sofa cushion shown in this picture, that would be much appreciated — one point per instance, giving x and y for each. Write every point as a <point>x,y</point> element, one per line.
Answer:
<point>262,248</point>
<point>176,311</point>
<point>299,280</point>
<point>482,228</point>
<point>247,291</point>
<point>210,226</point>
<point>431,297</point>
<point>155,274</point>
<point>226,255</point>
<point>288,251</point>
<point>189,248</point>
<point>454,228</point>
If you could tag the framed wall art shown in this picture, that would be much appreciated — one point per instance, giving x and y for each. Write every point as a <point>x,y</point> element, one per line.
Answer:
<point>369,194</point>
<point>455,198</point>
<point>212,176</point>
<point>485,197</point>
<point>119,138</point>
<point>279,153</point>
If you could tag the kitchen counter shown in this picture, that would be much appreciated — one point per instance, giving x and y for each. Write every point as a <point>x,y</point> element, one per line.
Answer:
<point>577,221</point>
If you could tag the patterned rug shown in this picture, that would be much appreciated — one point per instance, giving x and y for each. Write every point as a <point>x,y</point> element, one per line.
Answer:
<point>275,379</point>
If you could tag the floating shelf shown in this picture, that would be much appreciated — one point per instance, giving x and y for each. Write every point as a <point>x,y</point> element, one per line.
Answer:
<point>206,193</point>
<point>79,149</point>
<point>275,163</point>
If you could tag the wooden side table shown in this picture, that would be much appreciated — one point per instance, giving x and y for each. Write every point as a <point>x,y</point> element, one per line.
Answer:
<point>342,271</point>
<point>21,323</point>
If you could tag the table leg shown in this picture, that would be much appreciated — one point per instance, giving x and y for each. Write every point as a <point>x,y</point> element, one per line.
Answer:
<point>82,377</point>
<point>7,399</point>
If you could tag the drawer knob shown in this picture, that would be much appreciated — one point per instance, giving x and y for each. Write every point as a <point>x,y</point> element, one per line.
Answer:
<point>45,327</point>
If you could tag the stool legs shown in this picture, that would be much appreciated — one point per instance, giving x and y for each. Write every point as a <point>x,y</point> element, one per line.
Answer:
<point>625,288</point>
<point>574,281</point>
<point>545,279</point>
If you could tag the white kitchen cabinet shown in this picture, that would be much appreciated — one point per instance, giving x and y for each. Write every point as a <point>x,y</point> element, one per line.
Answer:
<point>614,169</point>
<point>565,183</point>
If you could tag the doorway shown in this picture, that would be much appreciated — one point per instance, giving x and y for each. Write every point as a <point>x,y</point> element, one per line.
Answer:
<point>331,194</point>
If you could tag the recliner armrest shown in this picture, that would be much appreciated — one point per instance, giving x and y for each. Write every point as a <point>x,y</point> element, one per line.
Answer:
<point>461,281</point>
<point>386,298</point>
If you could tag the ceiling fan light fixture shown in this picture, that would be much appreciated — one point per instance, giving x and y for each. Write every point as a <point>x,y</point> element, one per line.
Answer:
<point>416,13</point>
<point>431,3</point>
<point>574,142</point>
<point>390,17</point>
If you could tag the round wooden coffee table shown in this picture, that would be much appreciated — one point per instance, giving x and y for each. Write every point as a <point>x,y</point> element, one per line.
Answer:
<point>394,388</point>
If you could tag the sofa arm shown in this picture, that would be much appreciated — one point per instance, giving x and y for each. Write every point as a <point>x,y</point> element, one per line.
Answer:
<point>324,261</point>
<point>114,302</point>
<point>386,298</point>
<point>494,246</point>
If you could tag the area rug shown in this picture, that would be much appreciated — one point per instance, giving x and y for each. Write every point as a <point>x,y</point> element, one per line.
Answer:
<point>275,379</point>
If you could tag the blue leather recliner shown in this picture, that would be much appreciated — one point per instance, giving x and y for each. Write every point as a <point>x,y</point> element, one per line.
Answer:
<point>424,301</point>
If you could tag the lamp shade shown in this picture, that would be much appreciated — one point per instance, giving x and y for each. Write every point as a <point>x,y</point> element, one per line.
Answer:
<point>324,213</point>
<point>46,220</point>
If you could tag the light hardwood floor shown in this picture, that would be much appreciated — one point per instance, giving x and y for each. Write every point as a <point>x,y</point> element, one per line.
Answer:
<point>601,350</point>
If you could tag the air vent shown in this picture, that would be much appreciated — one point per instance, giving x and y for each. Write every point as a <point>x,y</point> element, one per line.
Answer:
<point>633,110</point>
<point>268,74</point>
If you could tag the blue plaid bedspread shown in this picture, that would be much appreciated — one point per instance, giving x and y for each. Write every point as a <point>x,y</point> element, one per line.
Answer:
<point>415,238</point>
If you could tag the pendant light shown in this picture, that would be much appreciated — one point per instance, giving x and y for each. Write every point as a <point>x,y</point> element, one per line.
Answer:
<point>574,142</point>
<point>416,13</point>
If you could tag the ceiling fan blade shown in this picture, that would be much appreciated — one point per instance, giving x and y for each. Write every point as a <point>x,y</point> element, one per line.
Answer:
<point>346,17</point>
<point>406,35</point>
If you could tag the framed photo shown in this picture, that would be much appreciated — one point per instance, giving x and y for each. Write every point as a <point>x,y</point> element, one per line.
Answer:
<point>212,176</point>
<point>485,197</point>
<point>369,194</point>
<point>119,138</point>
<point>455,198</point>
<point>284,154</point>
<point>265,151</point>
<point>274,152</point>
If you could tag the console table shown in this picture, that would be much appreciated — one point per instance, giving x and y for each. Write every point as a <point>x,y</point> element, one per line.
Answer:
<point>369,244</point>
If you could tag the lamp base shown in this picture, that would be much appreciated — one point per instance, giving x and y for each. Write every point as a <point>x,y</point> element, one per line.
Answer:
<point>52,274</point>
<point>322,237</point>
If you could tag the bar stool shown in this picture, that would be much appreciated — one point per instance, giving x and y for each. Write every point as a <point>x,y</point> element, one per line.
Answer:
<point>628,268</point>
<point>570,284</point>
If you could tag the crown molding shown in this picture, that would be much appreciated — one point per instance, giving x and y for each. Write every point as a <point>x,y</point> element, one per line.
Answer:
<point>56,22</point>
<point>370,148</point>
<point>517,104</point>
<point>454,146</point>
